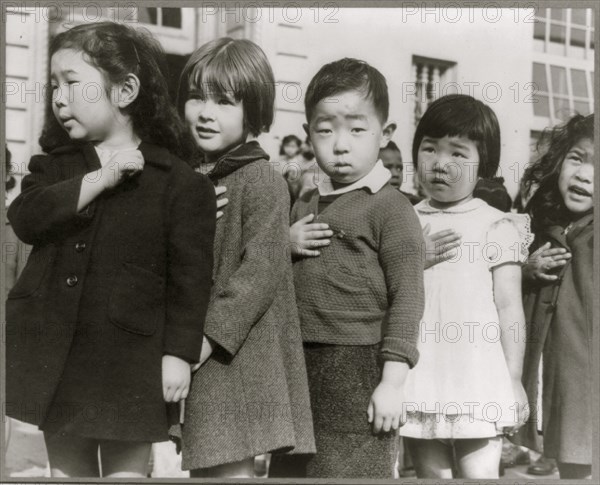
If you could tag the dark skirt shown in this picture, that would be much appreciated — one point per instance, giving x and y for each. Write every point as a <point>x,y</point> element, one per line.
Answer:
<point>341,381</point>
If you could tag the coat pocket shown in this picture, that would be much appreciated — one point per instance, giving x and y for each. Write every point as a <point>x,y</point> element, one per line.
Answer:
<point>137,302</point>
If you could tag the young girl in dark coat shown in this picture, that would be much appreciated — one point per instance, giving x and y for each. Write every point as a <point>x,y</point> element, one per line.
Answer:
<point>558,286</point>
<point>107,316</point>
<point>250,395</point>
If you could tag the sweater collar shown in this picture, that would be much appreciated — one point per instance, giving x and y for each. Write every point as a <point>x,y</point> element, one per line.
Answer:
<point>235,159</point>
<point>374,181</point>
<point>475,203</point>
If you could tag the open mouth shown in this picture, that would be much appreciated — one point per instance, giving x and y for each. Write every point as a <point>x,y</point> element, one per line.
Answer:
<point>575,189</point>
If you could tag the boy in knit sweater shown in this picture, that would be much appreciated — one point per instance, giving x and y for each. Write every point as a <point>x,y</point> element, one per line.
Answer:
<point>361,300</point>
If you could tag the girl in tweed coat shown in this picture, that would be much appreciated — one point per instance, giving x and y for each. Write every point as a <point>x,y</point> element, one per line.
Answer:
<point>250,393</point>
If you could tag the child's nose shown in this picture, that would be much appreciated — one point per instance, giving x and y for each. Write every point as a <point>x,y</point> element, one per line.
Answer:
<point>59,96</point>
<point>341,143</point>
<point>585,173</point>
<point>206,110</point>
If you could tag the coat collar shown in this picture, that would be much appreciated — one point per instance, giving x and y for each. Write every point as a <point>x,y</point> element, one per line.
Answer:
<point>235,159</point>
<point>557,232</point>
<point>153,155</point>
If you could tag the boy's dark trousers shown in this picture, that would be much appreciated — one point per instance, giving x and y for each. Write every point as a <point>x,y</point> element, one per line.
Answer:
<point>341,380</point>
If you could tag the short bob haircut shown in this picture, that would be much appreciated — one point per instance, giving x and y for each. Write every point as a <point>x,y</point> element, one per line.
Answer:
<point>232,67</point>
<point>462,115</point>
<point>348,75</point>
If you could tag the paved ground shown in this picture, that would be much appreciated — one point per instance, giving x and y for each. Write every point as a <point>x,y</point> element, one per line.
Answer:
<point>26,457</point>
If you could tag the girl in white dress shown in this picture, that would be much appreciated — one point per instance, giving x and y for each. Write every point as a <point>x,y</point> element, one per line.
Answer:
<point>466,391</point>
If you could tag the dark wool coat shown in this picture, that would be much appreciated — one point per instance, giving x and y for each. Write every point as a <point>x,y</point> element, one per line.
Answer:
<point>251,396</point>
<point>106,293</point>
<point>559,327</point>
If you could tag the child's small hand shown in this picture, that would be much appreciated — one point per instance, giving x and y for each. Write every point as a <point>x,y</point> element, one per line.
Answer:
<point>544,260</point>
<point>122,165</point>
<point>207,349</point>
<point>304,236</point>
<point>176,377</point>
<point>220,190</point>
<point>522,407</point>
<point>440,245</point>
<point>385,408</point>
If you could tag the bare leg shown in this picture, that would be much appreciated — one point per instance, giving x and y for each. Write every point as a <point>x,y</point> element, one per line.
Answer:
<point>238,469</point>
<point>72,456</point>
<point>431,458</point>
<point>125,459</point>
<point>478,458</point>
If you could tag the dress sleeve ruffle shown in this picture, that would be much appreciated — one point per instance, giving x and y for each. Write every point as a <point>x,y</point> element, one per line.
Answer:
<point>508,239</point>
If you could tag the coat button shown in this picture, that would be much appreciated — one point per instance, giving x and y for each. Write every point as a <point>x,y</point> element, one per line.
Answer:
<point>72,280</point>
<point>79,246</point>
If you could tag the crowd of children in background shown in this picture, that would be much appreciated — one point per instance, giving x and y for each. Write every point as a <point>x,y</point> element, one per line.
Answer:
<point>318,320</point>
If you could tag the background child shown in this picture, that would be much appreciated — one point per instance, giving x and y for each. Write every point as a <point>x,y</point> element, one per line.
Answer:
<point>291,163</point>
<point>559,297</point>
<point>391,157</point>
<point>372,271</point>
<point>250,396</point>
<point>466,390</point>
<point>108,313</point>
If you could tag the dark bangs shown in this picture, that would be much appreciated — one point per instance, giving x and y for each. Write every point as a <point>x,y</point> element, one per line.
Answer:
<point>463,116</point>
<point>232,68</point>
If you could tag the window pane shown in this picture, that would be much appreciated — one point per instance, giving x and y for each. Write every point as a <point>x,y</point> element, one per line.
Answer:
<point>171,17</point>
<point>541,106</point>
<point>559,80</point>
<point>539,30</point>
<point>539,77</point>
<point>558,14</point>
<point>540,13</point>
<point>578,37</point>
<point>147,15</point>
<point>578,83</point>
<point>578,16</point>
<point>582,107</point>
<point>592,80</point>
<point>557,33</point>
<point>561,108</point>
<point>592,39</point>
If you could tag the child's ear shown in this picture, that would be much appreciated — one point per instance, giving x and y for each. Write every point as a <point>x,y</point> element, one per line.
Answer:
<point>386,134</point>
<point>128,90</point>
<point>306,129</point>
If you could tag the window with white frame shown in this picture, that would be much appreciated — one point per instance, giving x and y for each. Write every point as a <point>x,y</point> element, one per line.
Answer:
<point>565,31</point>
<point>561,91</point>
<point>431,77</point>
<point>175,28</point>
<point>165,17</point>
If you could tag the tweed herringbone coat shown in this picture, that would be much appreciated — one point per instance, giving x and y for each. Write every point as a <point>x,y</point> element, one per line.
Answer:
<point>251,396</point>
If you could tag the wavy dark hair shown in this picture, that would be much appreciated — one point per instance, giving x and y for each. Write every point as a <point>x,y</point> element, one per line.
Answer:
<point>540,180</point>
<point>117,50</point>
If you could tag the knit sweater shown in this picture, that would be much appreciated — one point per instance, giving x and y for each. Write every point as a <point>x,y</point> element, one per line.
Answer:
<point>369,277</point>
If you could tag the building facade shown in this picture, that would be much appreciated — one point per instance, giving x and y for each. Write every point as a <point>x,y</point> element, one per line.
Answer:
<point>533,67</point>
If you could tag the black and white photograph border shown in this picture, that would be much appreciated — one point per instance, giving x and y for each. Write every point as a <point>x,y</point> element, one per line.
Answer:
<point>534,63</point>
